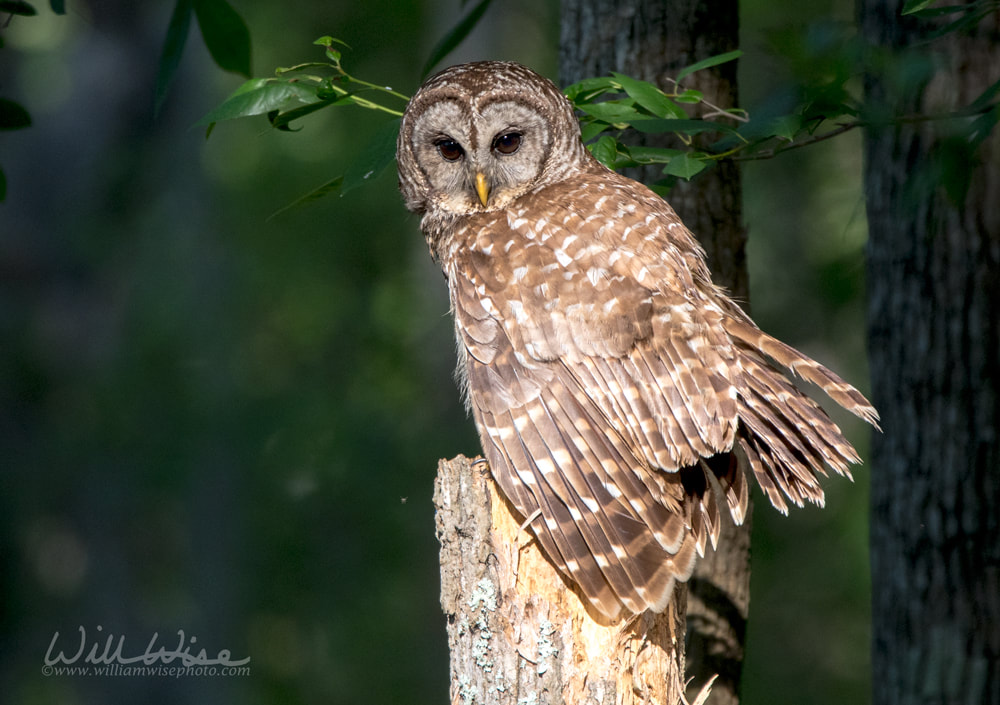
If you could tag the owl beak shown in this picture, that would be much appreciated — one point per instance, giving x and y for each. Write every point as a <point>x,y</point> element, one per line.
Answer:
<point>482,187</point>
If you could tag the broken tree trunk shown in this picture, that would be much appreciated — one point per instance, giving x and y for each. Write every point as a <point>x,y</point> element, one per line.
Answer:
<point>517,632</point>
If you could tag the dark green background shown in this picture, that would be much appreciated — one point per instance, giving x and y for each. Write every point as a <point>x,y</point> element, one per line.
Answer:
<point>216,422</point>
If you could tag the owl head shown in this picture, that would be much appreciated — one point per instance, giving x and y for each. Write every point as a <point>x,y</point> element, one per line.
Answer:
<point>477,136</point>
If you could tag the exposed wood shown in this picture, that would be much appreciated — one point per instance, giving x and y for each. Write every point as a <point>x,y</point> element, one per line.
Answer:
<point>517,633</point>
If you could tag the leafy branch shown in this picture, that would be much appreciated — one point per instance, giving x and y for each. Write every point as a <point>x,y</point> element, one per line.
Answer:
<point>614,109</point>
<point>297,91</point>
<point>13,115</point>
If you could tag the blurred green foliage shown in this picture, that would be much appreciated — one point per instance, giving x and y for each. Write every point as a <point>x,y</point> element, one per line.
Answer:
<point>228,423</point>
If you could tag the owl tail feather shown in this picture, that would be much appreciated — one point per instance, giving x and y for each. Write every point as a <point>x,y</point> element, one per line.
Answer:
<point>785,437</point>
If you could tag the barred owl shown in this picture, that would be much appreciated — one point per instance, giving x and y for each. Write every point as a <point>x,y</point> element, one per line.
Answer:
<point>615,388</point>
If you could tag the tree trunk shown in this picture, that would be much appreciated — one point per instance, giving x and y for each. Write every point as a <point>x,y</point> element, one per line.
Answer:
<point>934,337</point>
<point>516,632</point>
<point>653,40</point>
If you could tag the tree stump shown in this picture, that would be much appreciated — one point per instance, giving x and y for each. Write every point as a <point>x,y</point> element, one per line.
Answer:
<point>518,633</point>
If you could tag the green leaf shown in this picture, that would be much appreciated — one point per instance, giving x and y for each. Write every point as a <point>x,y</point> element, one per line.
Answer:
<point>786,127</point>
<point>379,153</point>
<point>653,155</point>
<point>911,6</point>
<point>605,150</point>
<point>650,97</point>
<point>985,97</point>
<point>13,116</point>
<point>592,130</point>
<point>330,188</point>
<point>613,111</point>
<point>688,127</point>
<point>690,96</point>
<point>261,95</point>
<point>282,119</point>
<point>58,6</point>
<point>685,166</point>
<point>455,36</point>
<point>982,126</point>
<point>590,87</point>
<point>328,42</point>
<point>225,34</point>
<point>17,7</point>
<point>708,63</point>
<point>173,48</point>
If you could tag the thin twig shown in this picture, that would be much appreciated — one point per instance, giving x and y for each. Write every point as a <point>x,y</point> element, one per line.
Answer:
<point>775,151</point>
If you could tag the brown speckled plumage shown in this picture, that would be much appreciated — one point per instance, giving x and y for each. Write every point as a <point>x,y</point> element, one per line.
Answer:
<point>607,375</point>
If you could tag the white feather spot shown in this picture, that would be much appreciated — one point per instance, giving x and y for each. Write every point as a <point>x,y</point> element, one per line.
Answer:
<point>519,273</point>
<point>545,466</point>
<point>595,274</point>
<point>517,308</point>
<point>562,457</point>
<point>564,259</point>
<point>591,504</point>
<point>528,479</point>
<point>487,304</point>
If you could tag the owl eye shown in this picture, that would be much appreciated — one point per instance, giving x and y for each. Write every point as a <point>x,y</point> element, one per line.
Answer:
<point>508,143</point>
<point>449,149</point>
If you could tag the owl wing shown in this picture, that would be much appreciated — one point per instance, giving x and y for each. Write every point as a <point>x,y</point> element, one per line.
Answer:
<point>605,379</point>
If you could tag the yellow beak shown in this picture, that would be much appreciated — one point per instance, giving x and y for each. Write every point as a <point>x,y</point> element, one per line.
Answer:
<point>482,188</point>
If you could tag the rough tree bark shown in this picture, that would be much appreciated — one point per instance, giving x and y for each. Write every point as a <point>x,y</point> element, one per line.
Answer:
<point>653,40</point>
<point>934,339</point>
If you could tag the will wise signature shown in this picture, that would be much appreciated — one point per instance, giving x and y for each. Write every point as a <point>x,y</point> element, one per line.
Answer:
<point>114,652</point>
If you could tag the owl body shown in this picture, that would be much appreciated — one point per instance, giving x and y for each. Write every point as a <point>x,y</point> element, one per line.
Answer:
<point>616,389</point>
